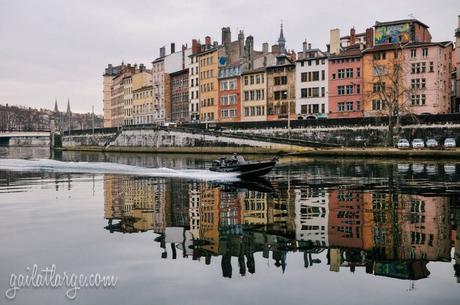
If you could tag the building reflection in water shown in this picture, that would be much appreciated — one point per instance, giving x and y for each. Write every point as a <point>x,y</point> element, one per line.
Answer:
<point>385,233</point>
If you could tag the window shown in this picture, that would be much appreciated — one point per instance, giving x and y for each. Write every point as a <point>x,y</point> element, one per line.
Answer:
<point>333,75</point>
<point>418,99</point>
<point>431,66</point>
<point>341,73</point>
<point>341,106</point>
<point>323,75</point>
<point>323,91</point>
<point>280,95</point>
<point>257,79</point>
<point>418,83</point>
<point>378,87</point>
<point>349,89</point>
<point>246,80</point>
<point>280,80</point>
<point>378,105</point>
<point>379,55</point>
<point>251,79</point>
<point>349,106</point>
<point>419,67</point>
<point>425,52</point>
<point>315,92</point>
<point>349,73</point>
<point>358,89</point>
<point>315,76</point>
<point>303,93</point>
<point>304,77</point>
<point>358,72</point>
<point>413,53</point>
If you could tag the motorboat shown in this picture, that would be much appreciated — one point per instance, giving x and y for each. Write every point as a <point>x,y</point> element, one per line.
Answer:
<point>246,169</point>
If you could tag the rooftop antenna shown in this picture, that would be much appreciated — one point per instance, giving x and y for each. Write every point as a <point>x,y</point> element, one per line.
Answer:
<point>411,16</point>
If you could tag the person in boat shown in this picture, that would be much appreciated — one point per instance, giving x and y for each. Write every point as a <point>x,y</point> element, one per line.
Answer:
<point>238,159</point>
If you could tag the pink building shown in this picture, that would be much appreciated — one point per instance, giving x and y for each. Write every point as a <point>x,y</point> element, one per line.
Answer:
<point>427,72</point>
<point>346,83</point>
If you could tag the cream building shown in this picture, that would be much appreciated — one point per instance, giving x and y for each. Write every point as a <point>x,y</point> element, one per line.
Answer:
<point>128,100</point>
<point>142,97</point>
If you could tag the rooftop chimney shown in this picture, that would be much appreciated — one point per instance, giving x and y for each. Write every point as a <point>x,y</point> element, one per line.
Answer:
<point>309,46</point>
<point>226,36</point>
<point>250,51</point>
<point>195,46</point>
<point>352,36</point>
<point>173,47</point>
<point>241,44</point>
<point>369,38</point>
<point>265,47</point>
<point>207,41</point>
<point>335,41</point>
<point>162,51</point>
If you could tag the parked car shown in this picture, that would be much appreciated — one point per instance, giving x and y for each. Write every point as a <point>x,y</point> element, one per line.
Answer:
<point>432,143</point>
<point>450,143</point>
<point>403,144</point>
<point>418,143</point>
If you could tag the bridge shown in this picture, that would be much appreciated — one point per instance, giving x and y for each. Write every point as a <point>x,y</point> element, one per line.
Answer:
<point>24,138</point>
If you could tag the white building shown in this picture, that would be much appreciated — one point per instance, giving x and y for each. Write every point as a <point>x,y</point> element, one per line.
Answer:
<point>193,93</point>
<point>158,82</point>
<point>311,82</point>
<point>161,67</point>
<point>311,216</point>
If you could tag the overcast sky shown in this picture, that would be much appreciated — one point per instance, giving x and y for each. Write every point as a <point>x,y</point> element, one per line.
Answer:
<point>58,49</point>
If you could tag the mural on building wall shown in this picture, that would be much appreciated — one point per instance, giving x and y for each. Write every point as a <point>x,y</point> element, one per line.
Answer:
<point>399,33</point>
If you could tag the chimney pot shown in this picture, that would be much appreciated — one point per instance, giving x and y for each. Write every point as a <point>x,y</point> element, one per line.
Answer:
<point>173,47</point>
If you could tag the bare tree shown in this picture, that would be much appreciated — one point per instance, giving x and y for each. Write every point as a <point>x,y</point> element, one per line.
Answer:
<point>390,95</point>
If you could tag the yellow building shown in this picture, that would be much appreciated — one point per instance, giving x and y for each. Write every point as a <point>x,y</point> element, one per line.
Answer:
<point>209,85</point>
<point>209,217</point>
<point>254,95</point>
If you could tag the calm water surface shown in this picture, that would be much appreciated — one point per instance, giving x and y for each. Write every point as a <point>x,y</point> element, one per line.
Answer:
<point>322,231</point>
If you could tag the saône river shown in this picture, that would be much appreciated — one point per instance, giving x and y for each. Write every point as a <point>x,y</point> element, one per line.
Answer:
<point>314,231</point>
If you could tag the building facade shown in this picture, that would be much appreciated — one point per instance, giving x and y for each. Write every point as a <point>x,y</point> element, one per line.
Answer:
<point>110,73</point>
<point>194,79</point>
<point>407,68</point>
<point>179,96</point>
<point>254,95</point>
<point>427,75</point>
<point>208,82</point>
<point>142,111</point>
<point>229,106</point>
<point>346,84</point>
<point>311,82</point>
<point>281,89</point>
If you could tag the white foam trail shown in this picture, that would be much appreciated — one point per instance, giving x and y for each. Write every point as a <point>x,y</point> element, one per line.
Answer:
<point>111,168</point>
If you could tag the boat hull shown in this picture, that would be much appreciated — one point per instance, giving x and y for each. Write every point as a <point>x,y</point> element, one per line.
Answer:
<point>250,169</point>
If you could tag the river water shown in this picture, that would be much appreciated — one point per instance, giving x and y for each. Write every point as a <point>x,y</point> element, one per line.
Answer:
<point>315,231</point>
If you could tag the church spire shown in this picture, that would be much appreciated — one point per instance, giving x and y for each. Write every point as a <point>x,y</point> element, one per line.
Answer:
<point>56,109</point>
<point>282,40</point>
<point>68,106</point>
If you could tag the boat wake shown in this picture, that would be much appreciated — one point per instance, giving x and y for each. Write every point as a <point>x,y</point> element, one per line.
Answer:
<point>46,165</point>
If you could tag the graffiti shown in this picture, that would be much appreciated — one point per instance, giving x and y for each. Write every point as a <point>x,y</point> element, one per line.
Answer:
<point>399,33</point>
